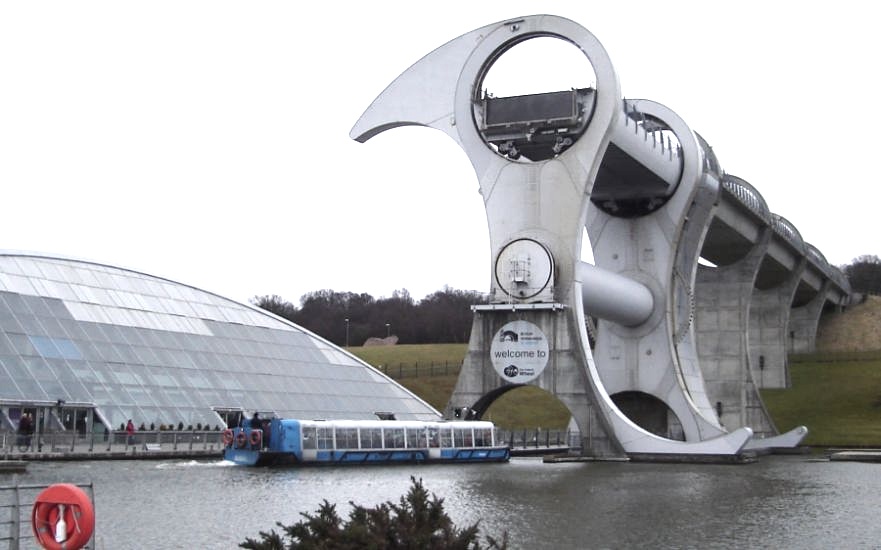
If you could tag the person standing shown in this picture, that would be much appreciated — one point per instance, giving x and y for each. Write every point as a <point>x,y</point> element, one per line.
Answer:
<point>130,432</point>
<point>24,430</point>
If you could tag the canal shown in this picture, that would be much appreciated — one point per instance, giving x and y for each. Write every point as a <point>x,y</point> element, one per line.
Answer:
<point>778,502</point>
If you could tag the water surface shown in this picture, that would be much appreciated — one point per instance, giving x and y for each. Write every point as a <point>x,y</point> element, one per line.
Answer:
<point>779,502</point>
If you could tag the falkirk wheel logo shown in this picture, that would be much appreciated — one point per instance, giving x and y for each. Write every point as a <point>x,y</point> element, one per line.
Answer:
<point>519,352</point>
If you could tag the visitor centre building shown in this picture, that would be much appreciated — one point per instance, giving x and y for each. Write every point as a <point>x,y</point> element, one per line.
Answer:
<point>85,347</point>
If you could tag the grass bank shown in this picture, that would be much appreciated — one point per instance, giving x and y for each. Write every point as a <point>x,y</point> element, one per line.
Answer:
<point>526,407</point>
<point>837,395</point>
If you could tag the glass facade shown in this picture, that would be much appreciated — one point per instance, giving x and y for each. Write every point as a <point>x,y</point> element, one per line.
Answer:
<point>144,348</point>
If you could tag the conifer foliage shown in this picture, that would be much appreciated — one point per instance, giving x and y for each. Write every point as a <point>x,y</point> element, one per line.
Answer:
<point>416,522</point>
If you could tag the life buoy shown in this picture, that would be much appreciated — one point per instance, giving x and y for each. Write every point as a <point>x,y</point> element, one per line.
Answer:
<point>227,437</point>
<point>63,517</point>
<point>241,440</point>
<point>256,438</point>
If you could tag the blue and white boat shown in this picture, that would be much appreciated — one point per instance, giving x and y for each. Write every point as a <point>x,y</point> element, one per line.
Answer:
<point>288,441</point>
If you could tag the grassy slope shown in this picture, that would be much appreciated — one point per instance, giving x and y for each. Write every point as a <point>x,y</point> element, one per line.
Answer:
<point>526,407</point>
<point>839,402</point>
<point>835,392</point>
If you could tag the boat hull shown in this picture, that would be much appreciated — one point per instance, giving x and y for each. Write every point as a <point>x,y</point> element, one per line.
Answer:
<point>248,457</point>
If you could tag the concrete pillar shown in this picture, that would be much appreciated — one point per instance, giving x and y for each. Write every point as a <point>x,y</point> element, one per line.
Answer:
<point>804,320</point>
<point>479,382</point>
<point>769,340</point>
<point>722,311</point>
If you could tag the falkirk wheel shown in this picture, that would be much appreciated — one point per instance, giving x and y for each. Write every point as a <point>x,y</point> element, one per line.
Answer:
<point>652,352</point>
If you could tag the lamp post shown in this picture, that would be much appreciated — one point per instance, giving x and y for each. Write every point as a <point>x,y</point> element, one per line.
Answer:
<point>388,330</point>
<point>347,332</point>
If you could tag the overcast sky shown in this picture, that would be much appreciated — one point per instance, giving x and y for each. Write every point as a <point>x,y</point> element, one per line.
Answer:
<point>207,142</point>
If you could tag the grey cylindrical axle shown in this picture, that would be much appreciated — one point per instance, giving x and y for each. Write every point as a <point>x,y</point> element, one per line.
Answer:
<point>614,297</point>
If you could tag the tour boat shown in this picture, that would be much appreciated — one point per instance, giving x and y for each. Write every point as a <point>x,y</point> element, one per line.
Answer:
<point>289,441</point>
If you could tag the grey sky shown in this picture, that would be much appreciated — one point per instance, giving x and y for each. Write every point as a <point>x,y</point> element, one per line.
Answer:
<point>207,142</point>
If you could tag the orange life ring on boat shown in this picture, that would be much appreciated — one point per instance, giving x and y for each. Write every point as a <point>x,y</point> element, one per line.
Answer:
<point>227,437</point>
<point>63,511</point>
<point>241,440</point>
<point>256,438</point>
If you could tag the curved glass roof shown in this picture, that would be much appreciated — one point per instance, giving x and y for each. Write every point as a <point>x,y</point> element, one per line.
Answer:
<point>146,348</point>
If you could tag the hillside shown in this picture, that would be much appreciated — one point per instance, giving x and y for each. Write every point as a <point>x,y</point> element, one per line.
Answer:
<point>836,392</point>
<point>856,329</point>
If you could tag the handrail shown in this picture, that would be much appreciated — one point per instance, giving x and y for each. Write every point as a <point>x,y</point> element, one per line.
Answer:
<point>69,444</point>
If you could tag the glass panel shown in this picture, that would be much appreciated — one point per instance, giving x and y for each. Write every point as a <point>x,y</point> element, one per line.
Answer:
<point>394,438</point>
<point>347,438</point>
<point>10,324</point>
<point>483,437</point>
<point>371,438</point>
<point>22,344</point>
<point>415,438</point>
<point>30,324</point>
<point>310,440</point>
<point>325,437</point>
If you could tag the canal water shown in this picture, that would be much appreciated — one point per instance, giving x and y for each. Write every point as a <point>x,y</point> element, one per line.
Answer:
<point>779,502</point>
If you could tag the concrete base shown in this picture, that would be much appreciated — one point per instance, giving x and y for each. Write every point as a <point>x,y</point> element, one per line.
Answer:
<point>741,458</point>
<point>857,456</point>
<point>788,440</point>
<point>559,459</point>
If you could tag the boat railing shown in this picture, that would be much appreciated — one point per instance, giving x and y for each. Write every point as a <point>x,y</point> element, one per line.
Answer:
<point>16,504</point>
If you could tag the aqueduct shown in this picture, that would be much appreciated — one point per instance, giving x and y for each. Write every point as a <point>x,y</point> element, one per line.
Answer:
<point>653,351</point>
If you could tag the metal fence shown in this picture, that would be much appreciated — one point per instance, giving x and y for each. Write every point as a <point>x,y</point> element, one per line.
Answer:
<point>536,438</point>
<point>16,503</point>
<point>413,370</point>
<point>14,445</point>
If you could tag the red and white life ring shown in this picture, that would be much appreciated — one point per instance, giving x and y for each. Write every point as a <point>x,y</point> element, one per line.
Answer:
<point>256,438</point>
<point>241,440</point>
<point>227,437</point>
<point>63,517</point>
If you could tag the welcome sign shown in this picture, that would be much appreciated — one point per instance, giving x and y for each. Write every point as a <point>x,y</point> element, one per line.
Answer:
<point>519,352</point>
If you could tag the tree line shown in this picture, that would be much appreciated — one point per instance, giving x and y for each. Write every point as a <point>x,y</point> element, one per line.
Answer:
<point>864,274</point>
<point>349,318</point>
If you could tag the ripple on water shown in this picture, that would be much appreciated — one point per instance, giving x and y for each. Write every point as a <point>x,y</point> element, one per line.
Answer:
<point>777,502</point>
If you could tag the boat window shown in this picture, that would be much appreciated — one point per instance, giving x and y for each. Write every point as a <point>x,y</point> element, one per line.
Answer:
<point>446,437</point>
<point>463,437</point>
<point>483,437</point>
<point>394,438</point>
<point>415,438</point>
<point>325,438</point>
<point>347,438</point>
<point>376,438</point>
<point>310,438</point>
<point>433,437</point>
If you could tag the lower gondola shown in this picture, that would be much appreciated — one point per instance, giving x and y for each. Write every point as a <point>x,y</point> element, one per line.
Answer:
<point>366,442</point>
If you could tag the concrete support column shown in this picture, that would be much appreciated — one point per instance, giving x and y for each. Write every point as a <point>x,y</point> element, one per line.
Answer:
<point>480,384</point>
<point>768,330</point>
<point>804,320</point>
<point>722,312</point>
